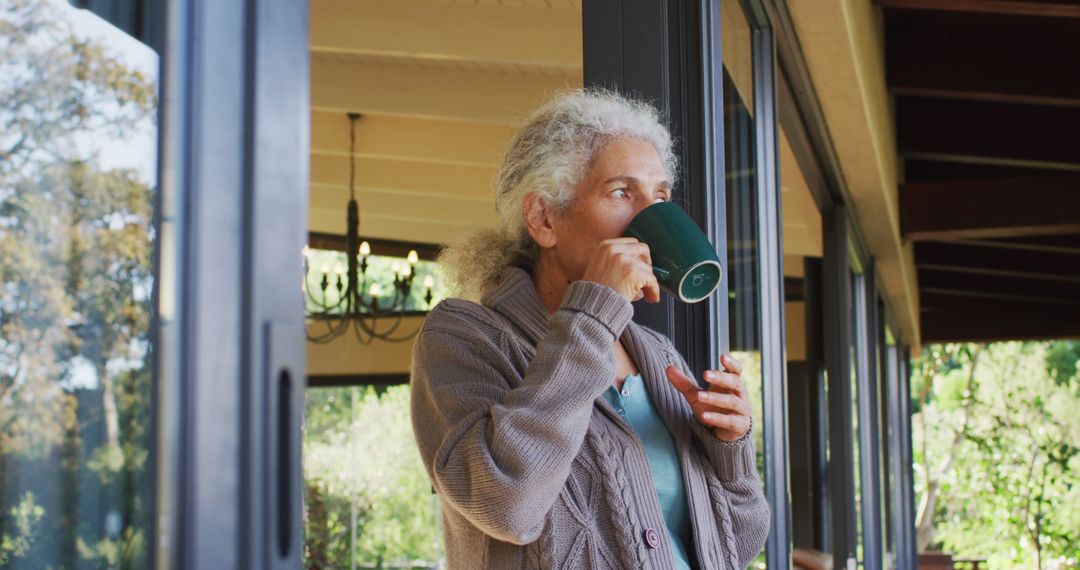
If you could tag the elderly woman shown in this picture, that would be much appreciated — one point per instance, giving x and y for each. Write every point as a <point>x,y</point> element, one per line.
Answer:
<point>556,432</point>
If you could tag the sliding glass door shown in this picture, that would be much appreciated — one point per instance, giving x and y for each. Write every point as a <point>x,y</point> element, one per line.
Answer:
<point>152,176</point>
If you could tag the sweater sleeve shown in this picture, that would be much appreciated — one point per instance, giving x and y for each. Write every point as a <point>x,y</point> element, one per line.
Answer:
<point>736,468</point>
<point>500,455</point>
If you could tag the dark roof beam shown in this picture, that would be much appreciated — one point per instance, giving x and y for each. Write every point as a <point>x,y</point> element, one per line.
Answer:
<point>978,131</point>
<point>982,57</point>
<point>946,318</point>
<point>1043,205</point>
<point>984,258</point>
<point>960,284</point>
<point>1009,7</point>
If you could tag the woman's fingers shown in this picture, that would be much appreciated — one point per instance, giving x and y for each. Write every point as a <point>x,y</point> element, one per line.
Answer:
<point>727,412</point>
<point>683,383</point>
<point>695,395</point>
<point>731,364</point>
<point>726,381</point>
<point>643,278</point>
<point>724,401</point>
<point>728,423</point>
<point>625,265</point>
<point>632,248</point>
<point>652,288</point>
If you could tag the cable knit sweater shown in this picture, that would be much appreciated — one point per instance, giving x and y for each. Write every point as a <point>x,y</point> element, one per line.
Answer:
<point>534,468</point>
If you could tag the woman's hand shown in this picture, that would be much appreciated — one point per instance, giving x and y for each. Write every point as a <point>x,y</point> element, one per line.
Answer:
<point>724,407</point>
<point>624,264</point>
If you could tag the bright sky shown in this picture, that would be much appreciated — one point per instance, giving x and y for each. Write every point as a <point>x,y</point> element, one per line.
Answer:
<point>138,151</point>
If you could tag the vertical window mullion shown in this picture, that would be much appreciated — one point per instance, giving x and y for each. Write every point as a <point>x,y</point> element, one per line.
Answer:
<point>838,343</point>
<point>771,302</point>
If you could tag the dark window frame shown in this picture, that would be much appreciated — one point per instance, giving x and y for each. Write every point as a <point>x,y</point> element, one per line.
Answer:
<point>670,52</point>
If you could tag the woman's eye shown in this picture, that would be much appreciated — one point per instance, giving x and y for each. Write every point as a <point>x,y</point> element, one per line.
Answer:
<point>620,193</point>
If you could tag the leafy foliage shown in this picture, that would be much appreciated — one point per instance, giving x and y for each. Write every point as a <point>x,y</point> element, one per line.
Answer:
<point>997,452</point>
<point>359,451</point>
<point>75,251</point>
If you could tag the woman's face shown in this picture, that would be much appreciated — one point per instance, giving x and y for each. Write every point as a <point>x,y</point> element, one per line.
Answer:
<point>626,175</point>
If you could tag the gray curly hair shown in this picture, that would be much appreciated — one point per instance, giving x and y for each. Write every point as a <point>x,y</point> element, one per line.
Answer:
<point>549,156</point>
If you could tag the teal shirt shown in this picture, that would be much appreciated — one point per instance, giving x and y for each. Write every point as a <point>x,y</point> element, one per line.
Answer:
<point>634,404</point>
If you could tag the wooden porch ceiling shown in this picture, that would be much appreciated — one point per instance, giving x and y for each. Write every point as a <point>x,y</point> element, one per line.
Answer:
<point>439,85</point>
<point>987,102</point>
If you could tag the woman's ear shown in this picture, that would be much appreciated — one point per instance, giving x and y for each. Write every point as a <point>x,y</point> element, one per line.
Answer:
<point>539,220</point>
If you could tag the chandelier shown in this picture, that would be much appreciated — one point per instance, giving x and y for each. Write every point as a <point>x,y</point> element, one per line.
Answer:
<point>348,298</point>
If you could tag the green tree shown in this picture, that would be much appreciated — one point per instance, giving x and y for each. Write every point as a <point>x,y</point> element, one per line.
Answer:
<point>997,456</point>
<point>359,450</point>
<point>75,242</point>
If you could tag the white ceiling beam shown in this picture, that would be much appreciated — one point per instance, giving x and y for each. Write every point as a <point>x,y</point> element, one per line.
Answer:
<point>842,44</point>
<point>421,140</point>
<point>437,93</point>
<point>414,178</point>
<point>800,241</point>
<point>800,217</point>
<point>530,35</point>
<point>392,226</point>
<point>390,203</point>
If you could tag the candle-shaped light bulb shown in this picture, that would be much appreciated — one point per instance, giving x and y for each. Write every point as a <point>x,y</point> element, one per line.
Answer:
<point>307,252</point>
<point>396,268</point>
<point>406,271</point>
<point>429,282</point>
<point>413,257</point>
<point>338,269</point>
<point>365,248</point>
<point>375,290</point>
<point>325,268</point>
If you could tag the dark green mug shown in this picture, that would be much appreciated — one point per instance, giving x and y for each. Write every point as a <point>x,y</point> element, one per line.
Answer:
<point>684,262</point>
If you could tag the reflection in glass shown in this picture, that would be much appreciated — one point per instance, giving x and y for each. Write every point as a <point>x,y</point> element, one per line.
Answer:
<point>744,295</point>
<point>855,288</point>
<point>368,499</point>
<point>78,102</point>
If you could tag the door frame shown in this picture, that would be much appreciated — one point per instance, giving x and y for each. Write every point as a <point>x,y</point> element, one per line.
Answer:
<point>669,52</point>
<point>229,346</point>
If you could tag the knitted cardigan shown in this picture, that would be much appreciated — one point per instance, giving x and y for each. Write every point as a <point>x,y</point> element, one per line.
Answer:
<point>535,470</point>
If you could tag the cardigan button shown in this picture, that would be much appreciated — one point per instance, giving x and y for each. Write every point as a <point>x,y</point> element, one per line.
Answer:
<point>652,539</point>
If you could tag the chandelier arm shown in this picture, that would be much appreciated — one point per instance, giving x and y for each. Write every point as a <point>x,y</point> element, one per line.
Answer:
<point>325,337</point>
<point>360,336</point>
<point>385,335</point>
<point>399,316</point>
<point>323,308</point>
<point>320,339</point>
<point>362,320</point>
<point>327,310</point>
<point>335,330</point>
<point>373,329</point>
<point>407,337</point>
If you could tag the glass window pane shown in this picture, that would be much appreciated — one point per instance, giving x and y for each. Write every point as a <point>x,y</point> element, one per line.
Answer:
<point>857,328</point>
<point>327,278</point>
<point>78,140</point>
<point>744,294</point>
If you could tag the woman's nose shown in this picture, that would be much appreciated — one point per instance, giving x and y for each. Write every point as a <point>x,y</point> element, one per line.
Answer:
<point>645,202</point>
